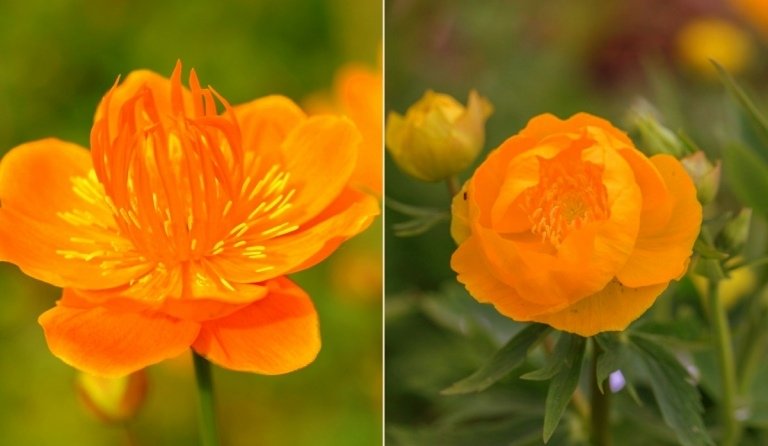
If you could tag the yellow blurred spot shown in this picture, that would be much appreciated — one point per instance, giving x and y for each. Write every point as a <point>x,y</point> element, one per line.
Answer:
<point>740,284</point>
<point>357,274</point>
<point>711,39</point>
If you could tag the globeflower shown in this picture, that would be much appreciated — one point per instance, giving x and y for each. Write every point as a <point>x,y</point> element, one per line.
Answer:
<point>438,137</point>
<point>568,224</point>
<point>180,225</point>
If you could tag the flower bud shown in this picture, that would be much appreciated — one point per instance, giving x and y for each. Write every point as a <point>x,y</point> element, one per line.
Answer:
<point>112,399</point>
<point>654,137</point>
<point>733,236</point>
<point>705,175</point>
<point>438,137</point>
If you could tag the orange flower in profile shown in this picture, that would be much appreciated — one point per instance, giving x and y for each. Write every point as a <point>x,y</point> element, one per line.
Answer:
<point>358,94</point>
<point>178,227</point>
<point>568,224</point>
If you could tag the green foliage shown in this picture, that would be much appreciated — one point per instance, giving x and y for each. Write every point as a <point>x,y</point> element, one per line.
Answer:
<point>564,382</point>
<point>541,58</point>
<point>504,361</point>
<point>640,357</point>
<point>747,174</point>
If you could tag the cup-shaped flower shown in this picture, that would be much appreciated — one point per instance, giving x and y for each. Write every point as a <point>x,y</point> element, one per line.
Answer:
<point>179,225</point>
<point>438,137</point>
<point>568,224</point>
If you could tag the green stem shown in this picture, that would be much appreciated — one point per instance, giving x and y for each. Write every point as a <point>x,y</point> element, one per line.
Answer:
<point>208,432</point>
<point>453,185</point>
<point>722,338</point>
<point>601,432</point>
<point>130,436</point>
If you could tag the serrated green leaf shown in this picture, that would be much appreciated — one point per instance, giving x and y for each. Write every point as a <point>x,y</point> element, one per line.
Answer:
<point>554,362</point>
<point>563,384</point>
<point>504,361</point>
<point>747,175</point>
<point>678,399</point>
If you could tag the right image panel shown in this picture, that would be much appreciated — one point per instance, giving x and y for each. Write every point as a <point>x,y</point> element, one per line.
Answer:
<point>575,232</point>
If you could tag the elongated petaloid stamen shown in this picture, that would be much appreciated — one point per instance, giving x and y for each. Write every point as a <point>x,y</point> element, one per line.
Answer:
<point>177,183</point>
<point>570,194</point>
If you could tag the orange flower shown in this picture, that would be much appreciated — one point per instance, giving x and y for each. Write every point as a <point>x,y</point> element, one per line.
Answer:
<point>178,227</point>
<point>568,224</point>
<point>358,94</point>
<point>754,11</point>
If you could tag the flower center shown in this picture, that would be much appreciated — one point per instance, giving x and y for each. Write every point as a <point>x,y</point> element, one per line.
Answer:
<point>569,195</point>
<point>178,182</point>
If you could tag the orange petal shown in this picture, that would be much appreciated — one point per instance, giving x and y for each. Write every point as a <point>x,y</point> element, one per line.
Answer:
<point>657,199</point>
<point>611,309</point>
<point>661,253</point>
<point>460,229</point>
<point>277,334</point>
<point>105,342</point>
<point>189,290</point>
<point>547,124</point>
<point>479,278</point>
<point>54,221</point>
<point>320,155</point>
<point>347,216</point>
<point>360,92</point>
<point>264,125</point>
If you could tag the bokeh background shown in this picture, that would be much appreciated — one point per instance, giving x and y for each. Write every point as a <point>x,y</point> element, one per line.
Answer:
<point>530,57</point>
<point>57,58</point>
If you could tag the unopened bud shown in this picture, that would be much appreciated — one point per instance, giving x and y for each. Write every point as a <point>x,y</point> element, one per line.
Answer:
<point>654,137</point>
<point>733,236</point>
<point>112,399</point>
<point>705,175</point>
<point>438,137</point>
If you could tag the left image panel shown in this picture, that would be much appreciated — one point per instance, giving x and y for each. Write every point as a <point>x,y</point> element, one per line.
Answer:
<point>190,234</point>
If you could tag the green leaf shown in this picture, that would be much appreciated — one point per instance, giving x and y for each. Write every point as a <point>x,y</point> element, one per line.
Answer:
<point>747,175</point>
<point>504,361</point>
<point>554,362</point>
<point>677,397</point>
<point>743,99</point>
<point>616,355</point>
<point>608,361</point>
<point>563,383</point>
<point>708,251</point>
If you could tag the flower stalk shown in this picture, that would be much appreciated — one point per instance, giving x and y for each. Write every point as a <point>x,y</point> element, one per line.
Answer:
<point>453,185</point>
<point>600,410</point>
<point>721,337</point>
<point>208,431</point>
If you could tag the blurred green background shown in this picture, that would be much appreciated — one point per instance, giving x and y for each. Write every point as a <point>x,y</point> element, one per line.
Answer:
<point>58,57</point>
<point>530,57</point>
